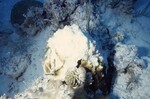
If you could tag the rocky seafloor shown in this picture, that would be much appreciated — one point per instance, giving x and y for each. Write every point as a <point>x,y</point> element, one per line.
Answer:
<point>74,49</point>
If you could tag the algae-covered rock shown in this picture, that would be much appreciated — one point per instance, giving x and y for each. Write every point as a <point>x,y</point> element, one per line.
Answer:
<point>21,8</point>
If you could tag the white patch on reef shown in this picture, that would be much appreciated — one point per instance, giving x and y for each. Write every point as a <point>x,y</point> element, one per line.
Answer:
<point>66,47</point>
<point>68,42</point>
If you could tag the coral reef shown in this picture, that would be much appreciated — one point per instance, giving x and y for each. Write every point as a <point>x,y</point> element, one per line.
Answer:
<point>3,96</point>
<point>85,57</point>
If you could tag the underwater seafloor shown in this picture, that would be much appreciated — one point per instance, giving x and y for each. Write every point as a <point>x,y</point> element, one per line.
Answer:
<point>74,49</point>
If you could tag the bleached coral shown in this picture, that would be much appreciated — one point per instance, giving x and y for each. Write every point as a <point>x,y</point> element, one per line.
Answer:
<point>66,48</point>
<point>75,77</point>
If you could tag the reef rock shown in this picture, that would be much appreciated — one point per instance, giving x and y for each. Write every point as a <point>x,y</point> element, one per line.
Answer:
<point>16,66</point>
<point>132,82</point>
<point>123,6</point>
<point>124,55</point>
<point>132,75</point>
<point>21,8</point>
<point>69,12</point>
<point>34,21</point>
